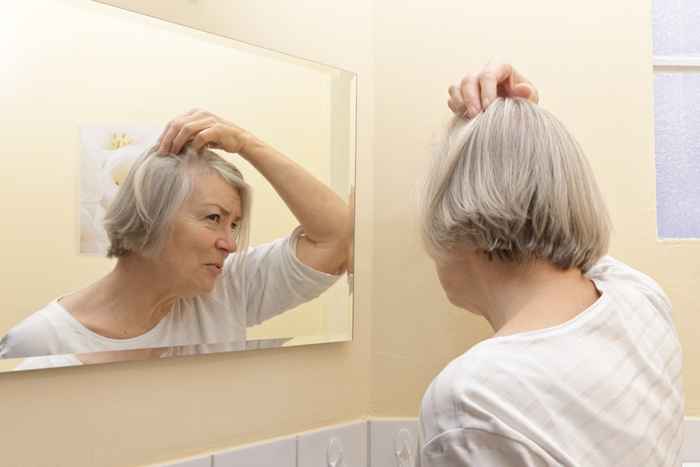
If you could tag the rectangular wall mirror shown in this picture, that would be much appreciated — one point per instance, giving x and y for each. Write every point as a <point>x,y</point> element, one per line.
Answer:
<point>86,89</point>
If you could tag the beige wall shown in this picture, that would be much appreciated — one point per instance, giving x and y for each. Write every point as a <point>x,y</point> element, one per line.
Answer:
<point>592,64</point>
<point>151,411</point>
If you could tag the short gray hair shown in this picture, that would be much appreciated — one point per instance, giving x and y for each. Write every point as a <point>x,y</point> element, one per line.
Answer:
<point>514,183</point>
<point>140,216</point>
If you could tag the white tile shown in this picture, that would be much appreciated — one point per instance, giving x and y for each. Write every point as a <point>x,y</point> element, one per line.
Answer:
<point>385,438</point>
<point>204,461</point>
<point>691,444</point>
<point>350,438</point>
<point>280,453</point>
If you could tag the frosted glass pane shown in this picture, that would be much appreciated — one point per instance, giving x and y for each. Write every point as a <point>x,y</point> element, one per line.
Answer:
<point>677,119</point>
<point>677,27</point>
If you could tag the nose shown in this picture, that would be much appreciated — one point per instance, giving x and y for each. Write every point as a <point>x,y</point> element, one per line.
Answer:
<point>227,243</point>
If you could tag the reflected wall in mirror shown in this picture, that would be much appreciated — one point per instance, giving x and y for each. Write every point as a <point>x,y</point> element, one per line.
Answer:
<point>89,90</point>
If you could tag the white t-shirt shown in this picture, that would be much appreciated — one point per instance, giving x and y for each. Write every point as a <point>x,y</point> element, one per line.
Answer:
<point>267,281</point>
<point>603,389</point>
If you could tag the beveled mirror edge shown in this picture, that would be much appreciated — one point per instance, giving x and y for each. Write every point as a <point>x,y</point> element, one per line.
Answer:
<point>45,362</point>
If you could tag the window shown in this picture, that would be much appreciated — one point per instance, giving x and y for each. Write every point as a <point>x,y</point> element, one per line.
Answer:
<point>677,117</point>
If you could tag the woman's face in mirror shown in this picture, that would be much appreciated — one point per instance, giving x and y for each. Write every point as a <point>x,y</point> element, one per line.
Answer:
<point>202,235</point>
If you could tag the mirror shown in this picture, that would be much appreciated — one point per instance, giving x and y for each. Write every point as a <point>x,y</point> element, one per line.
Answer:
<point>87,89</point>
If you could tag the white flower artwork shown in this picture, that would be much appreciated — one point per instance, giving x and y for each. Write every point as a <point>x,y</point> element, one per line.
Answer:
<point>107,154</point>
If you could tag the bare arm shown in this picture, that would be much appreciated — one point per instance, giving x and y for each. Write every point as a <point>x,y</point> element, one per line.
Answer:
<point>323,215</point>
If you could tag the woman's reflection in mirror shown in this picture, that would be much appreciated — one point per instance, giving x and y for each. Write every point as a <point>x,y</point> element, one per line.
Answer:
<point>184,274</point>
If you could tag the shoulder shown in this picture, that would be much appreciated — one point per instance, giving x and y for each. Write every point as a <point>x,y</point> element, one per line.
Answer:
<point>608,267</point>
<point>32,336</point>
<point>613,272</point>
<point>491,383</point>
<point>277,261</point>
<point>476,410</point>
<point>456,397</point>
<point>284,252</point>
<point>470,413</point>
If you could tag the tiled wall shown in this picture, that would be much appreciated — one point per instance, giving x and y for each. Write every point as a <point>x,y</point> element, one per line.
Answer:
<point>691,446</point>
<point>365,443</point>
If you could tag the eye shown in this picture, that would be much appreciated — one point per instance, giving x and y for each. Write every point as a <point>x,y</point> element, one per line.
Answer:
<point>214,217</point>
<point>234,226</point>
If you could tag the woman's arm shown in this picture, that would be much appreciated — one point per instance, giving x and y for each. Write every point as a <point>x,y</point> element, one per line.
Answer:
<point>323,215</point>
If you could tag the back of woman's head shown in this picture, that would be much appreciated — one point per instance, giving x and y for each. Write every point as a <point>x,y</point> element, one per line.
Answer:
<point>140,216</point>
<point>514,184</point>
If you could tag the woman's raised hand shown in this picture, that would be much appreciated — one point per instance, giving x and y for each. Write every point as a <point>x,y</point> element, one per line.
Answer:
<point>476,91</point>
<point>202,129</point>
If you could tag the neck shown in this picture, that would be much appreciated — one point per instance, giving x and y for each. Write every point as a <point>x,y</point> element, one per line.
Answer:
<point>127,302</point>
<point>532,296</point>
<point>139,283</point>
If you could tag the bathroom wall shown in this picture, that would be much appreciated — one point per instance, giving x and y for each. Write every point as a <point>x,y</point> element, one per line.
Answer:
<point>592,62</point>
<point>152,411</point>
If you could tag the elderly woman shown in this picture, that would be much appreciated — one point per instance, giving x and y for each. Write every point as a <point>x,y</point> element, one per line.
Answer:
<point>584,368</point>
<point>178,228</point>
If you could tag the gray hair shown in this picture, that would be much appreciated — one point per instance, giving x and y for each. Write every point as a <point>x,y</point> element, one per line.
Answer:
<point>514,183</point>
<point>140,217</point>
